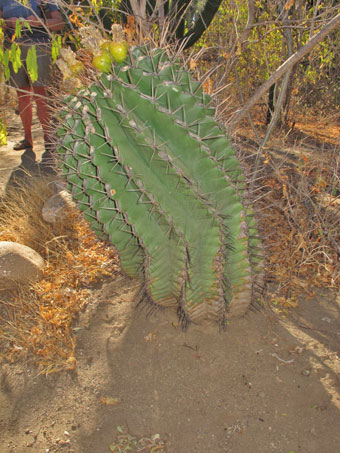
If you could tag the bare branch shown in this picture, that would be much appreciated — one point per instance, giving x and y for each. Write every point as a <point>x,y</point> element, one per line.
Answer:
<point>286,66</point>
<point>250,22</point>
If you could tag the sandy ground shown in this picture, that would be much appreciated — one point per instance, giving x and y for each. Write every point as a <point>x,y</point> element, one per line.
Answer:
<point>265,384</point>
<point>17,162</point>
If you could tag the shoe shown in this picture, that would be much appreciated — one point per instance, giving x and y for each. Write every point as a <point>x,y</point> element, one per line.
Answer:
<point>24,144</point>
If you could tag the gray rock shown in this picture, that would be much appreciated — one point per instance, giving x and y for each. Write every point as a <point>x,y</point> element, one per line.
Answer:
<point>59,185</point>
<point>55,208</point>
<point>19,265</point>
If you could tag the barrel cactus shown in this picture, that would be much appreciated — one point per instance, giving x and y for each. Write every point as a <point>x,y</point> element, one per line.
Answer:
<point>154,172</point>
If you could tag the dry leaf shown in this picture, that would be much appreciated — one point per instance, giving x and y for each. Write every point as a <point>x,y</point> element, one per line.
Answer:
<point>192,65</point>
<point>289,4</point>
<point>109,401</point>
<point>150,336</point>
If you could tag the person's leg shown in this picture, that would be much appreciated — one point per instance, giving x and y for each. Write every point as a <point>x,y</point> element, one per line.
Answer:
<point>21,82</point>
<point>25,111</point>
<point>47,164</point>
<point>43,110</point>
<point>40,88</point>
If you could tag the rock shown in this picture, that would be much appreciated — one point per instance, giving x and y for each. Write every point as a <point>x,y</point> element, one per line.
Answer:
<point>58,186</point>
<point>55,207</point>
<point>19,265</point>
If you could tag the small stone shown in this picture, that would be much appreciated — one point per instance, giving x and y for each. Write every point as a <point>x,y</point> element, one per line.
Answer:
<point>56,207</point>
<point>306,373</point>
<point>325,319</point>
<point>58,186</point>
<point>19,265</point>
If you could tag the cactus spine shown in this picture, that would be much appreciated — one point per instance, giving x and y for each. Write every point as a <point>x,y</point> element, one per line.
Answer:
<point>153,171</point>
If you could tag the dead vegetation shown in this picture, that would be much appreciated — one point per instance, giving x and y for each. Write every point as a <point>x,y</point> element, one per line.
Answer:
<point>37,322</point>
<point>298,192</point>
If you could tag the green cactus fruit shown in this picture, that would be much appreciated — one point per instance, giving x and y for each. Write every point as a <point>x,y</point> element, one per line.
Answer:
<point>154,172</point>
<point>102,61</point>
<point>119,51</point>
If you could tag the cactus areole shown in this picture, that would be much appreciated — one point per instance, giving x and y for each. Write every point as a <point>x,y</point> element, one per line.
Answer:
<point>154,172</point>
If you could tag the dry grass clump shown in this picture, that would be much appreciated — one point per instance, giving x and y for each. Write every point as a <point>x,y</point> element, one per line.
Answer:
<point>37,322</point>
<point>301,221</point>
<point>20,215</point>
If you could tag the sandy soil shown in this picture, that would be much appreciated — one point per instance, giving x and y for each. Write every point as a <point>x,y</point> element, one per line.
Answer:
<point>265,384</point>
<point>13,163</point>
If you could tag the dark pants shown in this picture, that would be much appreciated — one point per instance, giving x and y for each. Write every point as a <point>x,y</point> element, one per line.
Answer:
<point>22,78</point>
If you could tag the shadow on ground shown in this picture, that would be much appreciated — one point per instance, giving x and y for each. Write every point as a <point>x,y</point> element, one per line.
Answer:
<point>263,385</point>
<point>18,167</point>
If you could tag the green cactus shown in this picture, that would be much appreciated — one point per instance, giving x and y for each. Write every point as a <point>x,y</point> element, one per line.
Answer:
<point>154,172</point>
